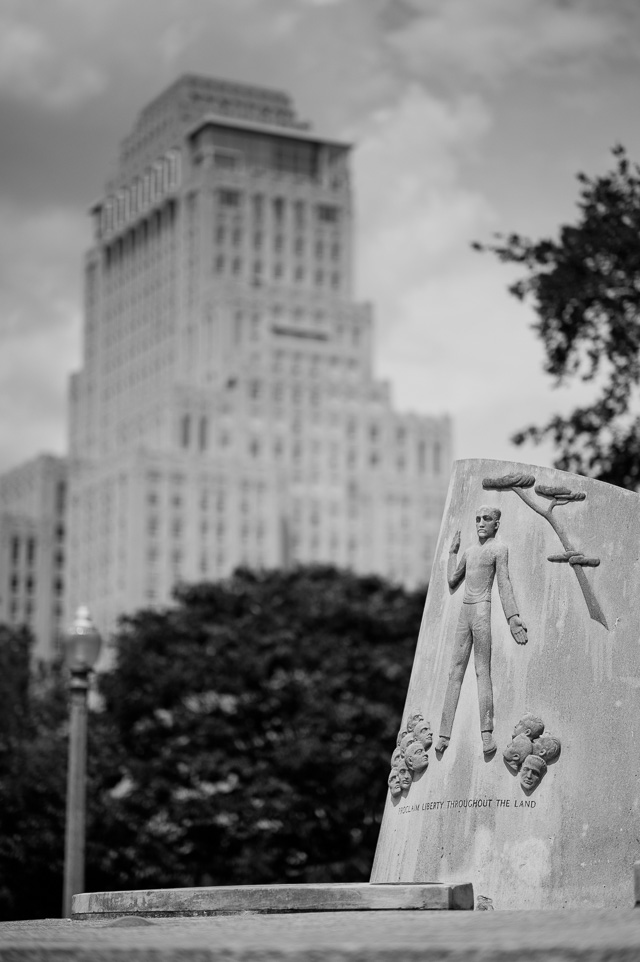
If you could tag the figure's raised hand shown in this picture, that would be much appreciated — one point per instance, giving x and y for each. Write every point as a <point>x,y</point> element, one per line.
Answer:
<point>455,544</point>
<point>518,629</point>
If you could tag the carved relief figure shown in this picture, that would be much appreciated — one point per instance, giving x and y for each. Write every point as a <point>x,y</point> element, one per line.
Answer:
<point>404,775</point>
<point>516,751</point>
<point>394,783</point>
<point>415,716</point>
<point>423,733</point>
<point>533,768</point>
<point>547,746</point>
<point>408,739</point>
<point>529,725</point>
<point>410,757</point>
<point>531,750</point>
<point>478,567</point>
<point>416,758</point>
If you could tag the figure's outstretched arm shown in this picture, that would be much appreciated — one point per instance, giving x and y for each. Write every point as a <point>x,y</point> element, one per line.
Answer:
<point>517,626</point>
<point>456,570</point>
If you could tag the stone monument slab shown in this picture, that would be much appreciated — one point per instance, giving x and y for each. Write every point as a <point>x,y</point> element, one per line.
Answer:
<point>516,766</point>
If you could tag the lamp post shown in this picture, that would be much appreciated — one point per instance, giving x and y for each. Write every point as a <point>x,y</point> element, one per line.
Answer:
<point>82,648</point>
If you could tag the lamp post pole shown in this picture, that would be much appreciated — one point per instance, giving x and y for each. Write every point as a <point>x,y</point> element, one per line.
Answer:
<point>83,648</point>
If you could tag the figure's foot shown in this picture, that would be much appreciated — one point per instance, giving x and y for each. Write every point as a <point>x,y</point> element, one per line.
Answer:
<point>489,746</point>
<point>443,744</point>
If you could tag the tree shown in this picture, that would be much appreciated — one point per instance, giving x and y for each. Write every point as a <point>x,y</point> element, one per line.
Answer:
<point>585,289</point>
<point>246,732</point>
<point>33,750</point>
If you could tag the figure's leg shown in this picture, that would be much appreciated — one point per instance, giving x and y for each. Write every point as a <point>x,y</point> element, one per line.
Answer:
<point>459,661</point>
<point>481,628</point>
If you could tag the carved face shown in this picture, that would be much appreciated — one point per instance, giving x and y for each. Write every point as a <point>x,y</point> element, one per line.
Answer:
<point>404,775</point>
<point>529,725</point>
<point>533,768</point>
<point>394,783</point>
<point>416,758</point>
<point>486,522</point>
<point>408,739</point>
<point>397,757</point>
<point>547,746</point>
<point>423,733</point>
<point>413,719</point>
<point>516,751</point>
<point>401,735</point>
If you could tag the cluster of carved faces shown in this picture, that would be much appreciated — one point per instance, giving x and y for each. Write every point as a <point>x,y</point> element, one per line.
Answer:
<point>531,750</point>
<point>410,754</point>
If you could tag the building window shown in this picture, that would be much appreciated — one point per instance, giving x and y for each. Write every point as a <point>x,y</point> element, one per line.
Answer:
<point>31,550</point>
<point>185,430</point>
<point>298,210</point>
<point>15,549</point>
<point>203,433</point>
<point>258,207</point>
<point>229,198</point>
<point>422,456</point>
<point>328,214</point>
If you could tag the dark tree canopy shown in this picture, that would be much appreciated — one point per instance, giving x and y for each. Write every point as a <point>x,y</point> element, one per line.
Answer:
<point>246,733</point>
<point>242,735</point>
<point>33,752</point>
<point>585,289</point>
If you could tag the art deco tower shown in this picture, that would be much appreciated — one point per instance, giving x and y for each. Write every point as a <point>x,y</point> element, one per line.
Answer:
<point>226,411</point>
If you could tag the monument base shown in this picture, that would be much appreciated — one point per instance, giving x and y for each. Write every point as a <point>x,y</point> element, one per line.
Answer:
<point>233,899</point>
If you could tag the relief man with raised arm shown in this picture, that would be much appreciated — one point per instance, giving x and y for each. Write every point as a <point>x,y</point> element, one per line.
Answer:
<point>478,567</point>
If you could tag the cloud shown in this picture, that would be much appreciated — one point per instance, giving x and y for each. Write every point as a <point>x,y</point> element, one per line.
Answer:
<point>487,40</point>
<point>30,69</point>
<point>415,215</point>
<point>39,328</point>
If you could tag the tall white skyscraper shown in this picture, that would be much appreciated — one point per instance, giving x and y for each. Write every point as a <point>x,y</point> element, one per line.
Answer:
<point>226,412</point>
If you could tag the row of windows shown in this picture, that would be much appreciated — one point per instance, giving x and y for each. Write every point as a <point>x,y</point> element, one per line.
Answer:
<point>301,213</point>
<point>235,237</point>
<point>162,177</point>
<point>144,240</point>
<point>194,433</point>
<point>234,267</point>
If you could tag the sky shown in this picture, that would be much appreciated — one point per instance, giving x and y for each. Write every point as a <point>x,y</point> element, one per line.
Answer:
<point>468,117</point>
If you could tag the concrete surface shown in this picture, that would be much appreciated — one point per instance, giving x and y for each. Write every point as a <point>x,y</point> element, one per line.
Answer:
<point>572,841</point>
<point>553,936</point>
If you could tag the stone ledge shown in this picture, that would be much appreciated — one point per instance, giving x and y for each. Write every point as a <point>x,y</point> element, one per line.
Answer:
<point>585,935</point>
<point>273,899</point>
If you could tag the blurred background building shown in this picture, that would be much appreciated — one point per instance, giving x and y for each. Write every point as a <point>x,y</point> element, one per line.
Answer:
<point>227,410</point>
<point>32,548</point>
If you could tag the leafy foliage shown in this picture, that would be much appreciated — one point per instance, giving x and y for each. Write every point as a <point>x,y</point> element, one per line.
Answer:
<point>33,730</point>
<point>246,733</point>
<point>242,736</point>
<point>585,289</point>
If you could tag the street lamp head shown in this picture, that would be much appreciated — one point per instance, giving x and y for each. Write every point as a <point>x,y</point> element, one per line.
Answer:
<point>82,642</point>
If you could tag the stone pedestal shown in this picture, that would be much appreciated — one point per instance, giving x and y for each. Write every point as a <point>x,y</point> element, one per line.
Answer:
<point>270,899</point>
<point>555,823</point>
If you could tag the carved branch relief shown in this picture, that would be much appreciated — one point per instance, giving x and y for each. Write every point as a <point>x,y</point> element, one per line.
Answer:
<point>556,496</point>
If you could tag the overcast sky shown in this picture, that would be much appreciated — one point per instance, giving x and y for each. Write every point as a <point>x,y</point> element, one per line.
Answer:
<point>469,116</point>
